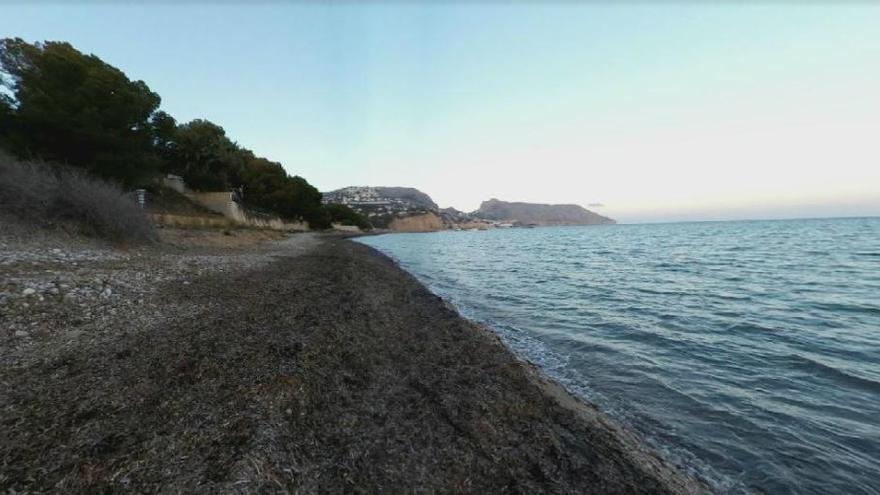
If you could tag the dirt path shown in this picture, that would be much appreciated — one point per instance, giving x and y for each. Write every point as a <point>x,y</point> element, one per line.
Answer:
<point>320,368</point>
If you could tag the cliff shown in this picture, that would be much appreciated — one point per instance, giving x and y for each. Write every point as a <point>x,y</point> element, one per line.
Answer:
<point>539,214</point>
<point>426,222</point>
<point>405,209</point>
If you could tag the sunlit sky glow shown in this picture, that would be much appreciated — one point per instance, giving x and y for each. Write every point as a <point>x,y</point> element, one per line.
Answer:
<point>658,111</point>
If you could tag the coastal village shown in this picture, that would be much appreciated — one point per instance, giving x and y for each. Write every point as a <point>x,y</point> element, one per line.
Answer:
<point>408,209</point>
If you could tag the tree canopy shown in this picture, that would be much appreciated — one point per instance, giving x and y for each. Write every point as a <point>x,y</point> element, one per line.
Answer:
<point>268,186</point>
<point>201,153</point>
<point>69,107</point>
<point>61,105</point>
<point>344,215</point>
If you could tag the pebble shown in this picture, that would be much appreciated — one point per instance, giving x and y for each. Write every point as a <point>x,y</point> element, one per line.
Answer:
<point>61,288</point>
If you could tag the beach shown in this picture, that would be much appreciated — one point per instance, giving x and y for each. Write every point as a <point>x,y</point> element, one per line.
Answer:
<point>302,364</point>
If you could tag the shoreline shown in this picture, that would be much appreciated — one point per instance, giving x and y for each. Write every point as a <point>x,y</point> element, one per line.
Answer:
<point>642,453</point>
<point>312,363</point>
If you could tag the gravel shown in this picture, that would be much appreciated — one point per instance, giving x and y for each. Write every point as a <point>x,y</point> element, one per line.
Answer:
<point>309,364</point>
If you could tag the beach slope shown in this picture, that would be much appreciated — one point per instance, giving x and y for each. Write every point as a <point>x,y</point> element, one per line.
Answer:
<point>321,368</point>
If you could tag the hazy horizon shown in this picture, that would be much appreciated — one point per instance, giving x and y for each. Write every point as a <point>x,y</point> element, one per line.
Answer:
<point>659,112</point>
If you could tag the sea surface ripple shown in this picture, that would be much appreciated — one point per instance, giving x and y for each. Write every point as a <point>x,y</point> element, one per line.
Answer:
<point>748,352</point>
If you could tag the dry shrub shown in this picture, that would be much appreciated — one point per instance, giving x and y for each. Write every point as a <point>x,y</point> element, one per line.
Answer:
<point>44,194</point>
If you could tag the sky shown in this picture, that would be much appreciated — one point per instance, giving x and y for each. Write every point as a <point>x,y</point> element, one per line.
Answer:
<point>642,111</point>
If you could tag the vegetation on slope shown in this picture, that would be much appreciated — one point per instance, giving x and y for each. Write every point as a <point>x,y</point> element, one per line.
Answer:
<point>64,106</point>
<point>47,195</point>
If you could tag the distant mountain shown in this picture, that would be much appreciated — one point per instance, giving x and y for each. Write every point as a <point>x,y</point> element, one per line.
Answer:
<point>538,214</point>
<point>408,209</point>
<point>451,215</point>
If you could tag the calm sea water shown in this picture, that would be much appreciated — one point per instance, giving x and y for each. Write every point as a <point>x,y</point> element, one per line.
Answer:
<point>748,352</point>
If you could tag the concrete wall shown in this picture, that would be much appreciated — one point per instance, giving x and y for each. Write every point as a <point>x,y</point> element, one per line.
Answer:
<point>345,228</point>
<point>171,220</point>
<point>221,202</point>
<point>174,182</point>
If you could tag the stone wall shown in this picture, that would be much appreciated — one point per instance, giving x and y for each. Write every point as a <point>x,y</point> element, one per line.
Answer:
<point>221,202</point>
<point>345,228</point>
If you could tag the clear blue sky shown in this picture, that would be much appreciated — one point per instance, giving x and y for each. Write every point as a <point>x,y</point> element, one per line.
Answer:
<point>658,111</point>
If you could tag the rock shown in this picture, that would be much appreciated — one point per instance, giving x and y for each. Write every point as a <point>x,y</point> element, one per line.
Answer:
<point>21,333</point>
<point>107,292</point>
<point>29,291</point>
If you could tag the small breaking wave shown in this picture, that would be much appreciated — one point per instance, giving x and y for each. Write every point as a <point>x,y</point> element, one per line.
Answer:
<point>812,366</point>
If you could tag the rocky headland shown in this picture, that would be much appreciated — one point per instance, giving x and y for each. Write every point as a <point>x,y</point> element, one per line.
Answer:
<point>405,209</point>
<point>539,214</point>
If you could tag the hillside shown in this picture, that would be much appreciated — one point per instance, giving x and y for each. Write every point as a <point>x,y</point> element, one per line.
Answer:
<point>386,207</point>
<point>539,214</point>
<point>383,205</point>
<point>400,197</point>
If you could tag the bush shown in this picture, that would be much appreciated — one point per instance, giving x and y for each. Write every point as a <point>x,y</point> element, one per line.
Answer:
<point>344,215</point>
<point>40,193</point>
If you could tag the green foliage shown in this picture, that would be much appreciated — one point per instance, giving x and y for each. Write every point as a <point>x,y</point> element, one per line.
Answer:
<point>63,106</point>
<point>268,186</point>
<point>208,160</point>
<point>164,130</point>
<point>346,216</point>
<point>6,115</point>
<point>74,108</point>
<point>200,152</point>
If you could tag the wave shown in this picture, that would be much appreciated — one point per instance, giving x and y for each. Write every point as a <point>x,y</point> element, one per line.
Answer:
<point>812,366</point>
<point>659,292</point>
<point>847,308</point>
<point>873,254</point>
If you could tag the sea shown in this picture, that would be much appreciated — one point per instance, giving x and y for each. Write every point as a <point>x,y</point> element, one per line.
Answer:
<point>747,352</point>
